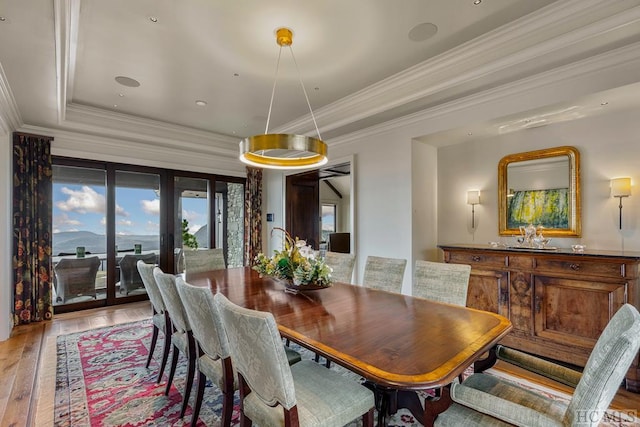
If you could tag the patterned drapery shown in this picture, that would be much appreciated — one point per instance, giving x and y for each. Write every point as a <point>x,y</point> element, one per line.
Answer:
<point>252,215</point>
<point>32,227</point>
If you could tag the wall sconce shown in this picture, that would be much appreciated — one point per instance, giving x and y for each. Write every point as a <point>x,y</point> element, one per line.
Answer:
<point>473,199</point>
<point>621,187</point>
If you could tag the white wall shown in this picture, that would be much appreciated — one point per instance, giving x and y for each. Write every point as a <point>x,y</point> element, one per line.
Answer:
<point>6,275</point>
<point>424,196</point>
<point>609,148</point>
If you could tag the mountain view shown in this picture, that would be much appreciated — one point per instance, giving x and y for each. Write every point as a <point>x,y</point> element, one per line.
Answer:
<point>67,241</point>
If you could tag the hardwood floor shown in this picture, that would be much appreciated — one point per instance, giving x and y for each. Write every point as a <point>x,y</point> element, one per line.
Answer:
<point>27,382</point>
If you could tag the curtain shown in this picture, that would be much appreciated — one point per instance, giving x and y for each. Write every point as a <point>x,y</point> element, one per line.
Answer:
<point>252,215</point>
<point>32,228</point>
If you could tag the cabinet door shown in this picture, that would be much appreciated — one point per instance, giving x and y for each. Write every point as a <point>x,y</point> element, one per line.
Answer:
<point>575,312</point>
<point>520,297</point>
<point>488,291</point>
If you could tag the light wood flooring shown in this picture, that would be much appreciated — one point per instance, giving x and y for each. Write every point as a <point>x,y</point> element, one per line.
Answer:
<point>27,379</point>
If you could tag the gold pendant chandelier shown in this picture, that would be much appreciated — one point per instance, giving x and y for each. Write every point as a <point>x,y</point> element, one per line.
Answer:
<point>284,151</point>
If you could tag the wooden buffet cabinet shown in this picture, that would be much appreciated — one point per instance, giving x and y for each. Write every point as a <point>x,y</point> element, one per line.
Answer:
<point>558,301</point>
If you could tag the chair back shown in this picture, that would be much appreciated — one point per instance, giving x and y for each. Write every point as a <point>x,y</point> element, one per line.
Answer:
<point>341,265</point>
<point>384,273</point>
<point>76,276</point>
<point>129,276</point>
<point>146,273</point>
<point>606,367</point>
<point>257,353</point>
<point>204,319</point>
<point>442,282</point>
<point>199,260</point>
<point>167,285</point>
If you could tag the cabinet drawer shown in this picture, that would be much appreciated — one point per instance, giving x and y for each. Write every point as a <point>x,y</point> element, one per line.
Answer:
<point>578,266</point>
<point>477,259</point>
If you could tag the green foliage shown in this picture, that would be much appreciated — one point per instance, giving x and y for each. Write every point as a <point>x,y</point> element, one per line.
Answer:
<point>188,239</point>
<point>297,263</point>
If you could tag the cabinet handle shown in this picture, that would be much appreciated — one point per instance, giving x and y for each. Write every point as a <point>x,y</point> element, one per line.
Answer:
<point>538,302</point>
<point>574,267</point>
<point>476,258</point>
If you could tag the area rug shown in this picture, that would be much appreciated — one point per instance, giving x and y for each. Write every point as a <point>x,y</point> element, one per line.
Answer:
<point>101,380</point>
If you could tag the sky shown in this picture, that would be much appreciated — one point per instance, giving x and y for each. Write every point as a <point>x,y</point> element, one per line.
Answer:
<point>83,208</point>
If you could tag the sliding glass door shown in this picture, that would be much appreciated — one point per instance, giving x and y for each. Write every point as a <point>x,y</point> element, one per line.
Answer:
<point>119,214</point>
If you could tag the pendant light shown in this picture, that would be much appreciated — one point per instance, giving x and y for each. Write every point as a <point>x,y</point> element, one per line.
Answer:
<point>284,151</point>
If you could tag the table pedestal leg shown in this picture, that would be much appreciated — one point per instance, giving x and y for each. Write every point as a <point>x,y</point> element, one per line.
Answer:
<point>435,406</point>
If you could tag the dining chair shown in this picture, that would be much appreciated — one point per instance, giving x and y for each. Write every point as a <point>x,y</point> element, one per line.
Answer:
<point>483,399</point>
<point>130,279</point>
<point>182,339</point>
<point>442,282</point>
<point>212,347</point>
<point>198,260</point>
<point>76,277</point>
<point>274,393</point>
<point>160,315</point>
<point>385,274</point>
<point>341,266</point>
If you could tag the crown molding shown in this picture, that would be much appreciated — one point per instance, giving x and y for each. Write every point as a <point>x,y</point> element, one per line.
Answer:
<point>113,124</point>
<point>107,148</point>
<point>519,40</point>
<point>591,68</point>
<point>10,118</point>
<point>66,15</point>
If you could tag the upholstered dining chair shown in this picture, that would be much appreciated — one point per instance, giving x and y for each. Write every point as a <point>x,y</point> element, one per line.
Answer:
<point>385,274</point>
<point>341,265</point>
<point>199,260</point>
<point>160,315</point>
<point>442,282</point>
<point>76,277</point>
<point>274,393</point>
<point>483,399</point>
<point>130,279</point>
<point>182,339</point>
<point>214,359</point>
<point>212,347</point>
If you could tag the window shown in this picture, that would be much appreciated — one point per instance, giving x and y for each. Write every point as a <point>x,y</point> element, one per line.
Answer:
<point>328,214</point>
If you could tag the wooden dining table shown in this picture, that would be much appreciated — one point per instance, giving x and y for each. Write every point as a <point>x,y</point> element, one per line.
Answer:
<point>395,342</point>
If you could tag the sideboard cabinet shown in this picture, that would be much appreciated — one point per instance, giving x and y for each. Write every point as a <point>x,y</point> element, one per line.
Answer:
<point>558,301</point>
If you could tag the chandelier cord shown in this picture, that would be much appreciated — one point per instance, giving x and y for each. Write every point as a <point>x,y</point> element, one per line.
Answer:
<point>273,91</point>
<point>313,117</point>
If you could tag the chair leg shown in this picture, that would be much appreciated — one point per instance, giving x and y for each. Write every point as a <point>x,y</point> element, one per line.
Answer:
<point>172,370</point>
<point>367,419</point>
<point>243,390</point>
<point>202,380</point>
<point>168,330</point>
<point>227,392</point>
<point>154,339</point>
<point>192,356</point>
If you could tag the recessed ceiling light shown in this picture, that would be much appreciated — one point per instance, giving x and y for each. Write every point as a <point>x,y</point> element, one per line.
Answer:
<point>201,103</point>
<point>422,32</point>
<point>121,95</point>
<point>477,2</point>
<point>127,81</point>
<point>604,103</point>
<point>470,133</point>
<point>316,88</point>
<point>115,105</point>
<point>236,75</point>
<point>2,19</point>
<point>153,19</point>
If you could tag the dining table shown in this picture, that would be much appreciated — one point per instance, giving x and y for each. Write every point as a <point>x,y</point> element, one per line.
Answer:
<point>397,343</point>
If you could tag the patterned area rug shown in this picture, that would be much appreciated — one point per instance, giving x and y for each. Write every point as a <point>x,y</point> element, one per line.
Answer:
<point>101,381</point>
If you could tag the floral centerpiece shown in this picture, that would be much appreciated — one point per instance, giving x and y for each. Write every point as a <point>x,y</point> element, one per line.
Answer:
<point>296,263</point>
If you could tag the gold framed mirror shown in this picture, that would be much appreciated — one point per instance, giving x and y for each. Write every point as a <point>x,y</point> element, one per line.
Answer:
<point>540,188</point>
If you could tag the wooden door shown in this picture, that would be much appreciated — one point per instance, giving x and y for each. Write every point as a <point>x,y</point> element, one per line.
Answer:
<point>303,207</point>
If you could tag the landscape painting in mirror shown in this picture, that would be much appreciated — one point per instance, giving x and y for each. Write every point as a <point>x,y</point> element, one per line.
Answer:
<point>540,188</point>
